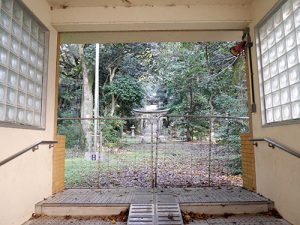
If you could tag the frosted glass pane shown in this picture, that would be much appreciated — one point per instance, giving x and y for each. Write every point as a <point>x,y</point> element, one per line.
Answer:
<point>21,99</point>
<point>32,73</point>
<point>275,83</point>
<point>22,84</point>
<point>279,33</point>
<point>40,64</point>
<point>274,69</point>
<point>288,25</point>
<point>41,50</point>
<point>3,56</point>
<point>10,113</point>
<point>269,115</point>
<point>38,91</point>
<point>296,4</point>
<point>265,59</point>
<point>37,119</point>
<point>285,96</point>
<point>287,9</point>
<point>34,29</point>
<point>39,77</point>
<point>24,51</point>
<point>297,17</point>
<point>41,36</point>
<point>11,96</point>
<point>2,112</point>
<point>284,80</point>
<point>4,37</point>
<point>34,45</point>
<point>13,61</point>
<point>281,48</point>
<point>263,32</point>
<point>291,41</point>
<point>21,115</point>
<point>17,12</point>
<point>3,74</point>
<point>294,75</point>
<point>292,58</point>
<point>282,64</point>
<point>15,46</point>
<point>5,20</point>
<point>30,88</point>
<point>264,46</point>
<point>268,101</point>
<point>277,114</point>
<point>273,54</point>
<point>38,105</point>
<point>30,103</point>
<point>25,38</point>
<point>12,79</point>
<point>277,18</point>
<point>29,117</point>
<point>23,67</point>
<point>276,99</point>
<point>26,22</point>
<point>267,87</point>
<point>295,92</point>
<point>286,112</point>
<point>2,93</point>
<point>271,40</point>
<point>270,25</point>
<point>16,30</point>
<point>296,110</point>
<point>32,57</point>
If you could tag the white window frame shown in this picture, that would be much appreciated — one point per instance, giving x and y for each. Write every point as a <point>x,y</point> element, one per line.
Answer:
<point>44,72</point>
<point>263,22</point>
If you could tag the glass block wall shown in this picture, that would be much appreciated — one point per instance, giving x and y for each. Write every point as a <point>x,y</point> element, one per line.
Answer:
<point>22,65</point>
<point>278,45</point>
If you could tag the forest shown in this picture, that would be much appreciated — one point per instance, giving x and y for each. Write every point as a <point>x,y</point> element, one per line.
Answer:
<point>189,79</point>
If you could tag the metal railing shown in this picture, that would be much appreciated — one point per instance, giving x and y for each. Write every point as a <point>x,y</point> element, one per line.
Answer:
<point>32,147</point>
<point>273,144</point>
<point>168,151</point>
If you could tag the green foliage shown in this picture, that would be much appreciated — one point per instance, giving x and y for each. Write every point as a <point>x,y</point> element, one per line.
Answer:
<point>128,92</point>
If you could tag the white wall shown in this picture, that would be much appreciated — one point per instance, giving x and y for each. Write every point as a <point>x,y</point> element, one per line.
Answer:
<point>277,172</point>
<point>28,179</point>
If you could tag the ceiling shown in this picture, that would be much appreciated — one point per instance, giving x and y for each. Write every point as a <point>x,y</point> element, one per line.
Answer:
<point>128,3</point>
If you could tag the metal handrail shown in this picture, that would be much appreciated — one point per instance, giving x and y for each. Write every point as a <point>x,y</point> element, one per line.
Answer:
<point>273,144</point>
<point>33,147</point>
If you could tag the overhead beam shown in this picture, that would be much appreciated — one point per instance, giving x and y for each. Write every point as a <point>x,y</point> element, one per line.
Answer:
<point>204,17</point>
<point>149,36</point>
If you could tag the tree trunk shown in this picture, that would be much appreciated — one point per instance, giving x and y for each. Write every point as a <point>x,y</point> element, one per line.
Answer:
<point>112,73</point>
<point>87,100</point>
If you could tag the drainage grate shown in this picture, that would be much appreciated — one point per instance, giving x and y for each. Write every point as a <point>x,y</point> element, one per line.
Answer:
<point>168,213</point>
<point>141,214</point>
<point>165,213</point>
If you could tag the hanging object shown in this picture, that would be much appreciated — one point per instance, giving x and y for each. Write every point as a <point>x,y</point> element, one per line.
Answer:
<point>238,50</point>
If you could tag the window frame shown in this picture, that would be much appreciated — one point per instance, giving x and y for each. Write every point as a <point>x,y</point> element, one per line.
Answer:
<point>262,96</point>
<point>45,74</point>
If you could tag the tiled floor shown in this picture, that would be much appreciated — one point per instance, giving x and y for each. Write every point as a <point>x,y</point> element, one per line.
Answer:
<point>242,220</point>
<point>127,196</point>
<point>234,220</point>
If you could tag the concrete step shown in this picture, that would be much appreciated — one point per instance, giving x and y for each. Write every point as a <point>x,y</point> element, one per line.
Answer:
<point>79,209</point>
<point>233,220</point>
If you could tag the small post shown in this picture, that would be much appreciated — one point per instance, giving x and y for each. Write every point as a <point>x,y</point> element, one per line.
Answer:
<point>209,154</point>
<point>132,131</point>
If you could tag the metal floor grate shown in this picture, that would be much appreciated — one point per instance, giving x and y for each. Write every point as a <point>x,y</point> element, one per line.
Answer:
<point>141,214</point>
<point>158,214</point>
<point>168,213</point>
